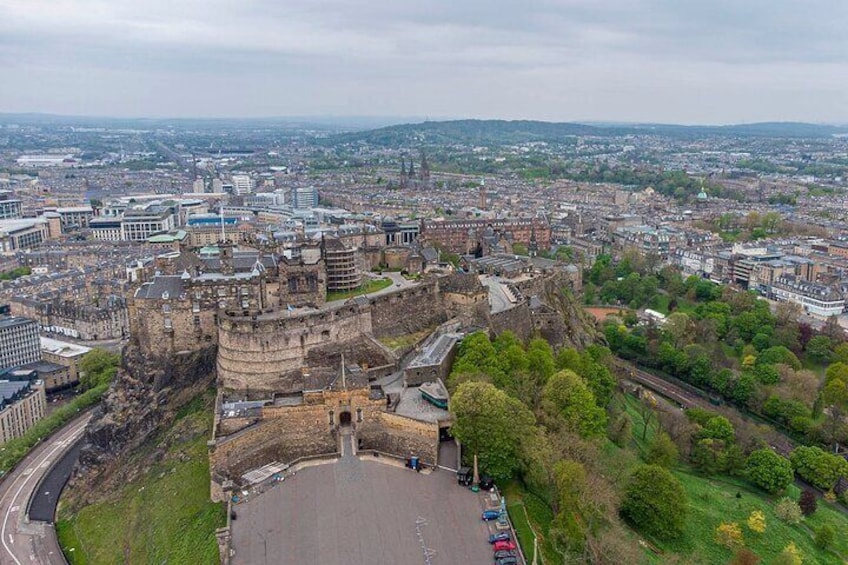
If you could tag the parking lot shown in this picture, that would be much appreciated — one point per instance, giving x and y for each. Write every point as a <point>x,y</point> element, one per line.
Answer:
<point>355,512</point>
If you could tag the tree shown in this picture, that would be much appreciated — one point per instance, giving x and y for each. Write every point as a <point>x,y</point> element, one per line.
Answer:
<point>808,502</point>
<point>491,424</point>
<point>655,502</point>
<point>97,367</point>
<point>568,402</point>
<point>757,522</point>
<point>729,534</point>
<point>788,511</point>
<point>818,467</point>
<point>662,451</point>
<point>768,470</point>
<point>819,348</point>
<point>679,328</point>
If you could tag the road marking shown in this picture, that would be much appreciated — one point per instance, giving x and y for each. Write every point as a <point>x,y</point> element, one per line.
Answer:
<point>27,475</point>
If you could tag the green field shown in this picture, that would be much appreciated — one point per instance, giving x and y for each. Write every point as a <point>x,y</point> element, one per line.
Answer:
<point>372,285</point>
<point>165,516</point>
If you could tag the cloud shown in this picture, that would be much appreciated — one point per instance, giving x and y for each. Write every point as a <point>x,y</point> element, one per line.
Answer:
<point>373,57</point>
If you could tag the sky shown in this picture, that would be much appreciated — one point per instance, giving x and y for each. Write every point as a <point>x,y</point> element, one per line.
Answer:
<point>669,61</point>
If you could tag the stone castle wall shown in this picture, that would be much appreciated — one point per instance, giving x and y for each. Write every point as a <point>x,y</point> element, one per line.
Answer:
<point>401,436</point>
<point>303,432</point>
<point>516,319</point>
<point>266,353</point>
<point>407,311</point>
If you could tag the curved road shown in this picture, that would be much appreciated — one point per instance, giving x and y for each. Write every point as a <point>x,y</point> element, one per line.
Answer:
<point>24,541</point>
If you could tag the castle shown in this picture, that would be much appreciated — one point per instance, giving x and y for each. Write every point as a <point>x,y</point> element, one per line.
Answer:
<point>293,369</point>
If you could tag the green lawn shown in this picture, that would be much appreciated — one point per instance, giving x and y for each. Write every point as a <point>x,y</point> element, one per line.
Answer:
<point>660,304</point>
<point>372,285</point>
<point>405,340</point>
<point>165,516</point>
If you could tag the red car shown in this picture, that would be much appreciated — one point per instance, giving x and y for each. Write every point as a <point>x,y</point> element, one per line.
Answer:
<point>505,545</point>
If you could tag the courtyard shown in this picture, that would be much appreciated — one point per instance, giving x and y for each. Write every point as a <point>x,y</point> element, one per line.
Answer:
<point>361,511</point>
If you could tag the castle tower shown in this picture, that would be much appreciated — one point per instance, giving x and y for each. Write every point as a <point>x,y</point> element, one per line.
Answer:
<point>226,256</point>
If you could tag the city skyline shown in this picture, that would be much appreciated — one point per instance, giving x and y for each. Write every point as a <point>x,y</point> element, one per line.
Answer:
<point>645,61</point>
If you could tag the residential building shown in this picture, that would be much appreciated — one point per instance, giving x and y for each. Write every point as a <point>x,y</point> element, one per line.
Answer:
<point>816,299</point>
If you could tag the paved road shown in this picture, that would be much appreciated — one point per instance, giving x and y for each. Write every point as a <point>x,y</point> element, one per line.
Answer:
<point>25,542</point>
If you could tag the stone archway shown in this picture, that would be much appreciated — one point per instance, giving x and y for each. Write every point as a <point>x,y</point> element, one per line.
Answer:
<point>344,418</point>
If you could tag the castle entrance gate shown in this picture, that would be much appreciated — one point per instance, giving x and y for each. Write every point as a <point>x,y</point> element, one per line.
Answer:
<point>344,419</point>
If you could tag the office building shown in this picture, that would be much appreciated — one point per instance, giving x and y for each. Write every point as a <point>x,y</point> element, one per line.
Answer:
<point>22,404</point>
<point>10,208</point>
<point>242,184</point>
<point>19,342</point>
<point>304,197</point>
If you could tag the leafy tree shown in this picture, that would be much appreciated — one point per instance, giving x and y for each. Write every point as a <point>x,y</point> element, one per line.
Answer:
<point>655,502</point>
<point>620,429</point>
<point>788,511</point>
<point>729,534</point>
<point>568,401</point>
<point>718,427</point>
<point>768,470</point>
<point>97,367</point>
<point>808,502</point>
<point>818,467</point>
<point>491,424</point>
<point>778,354</point>
<point>662,451</point>
<point>819,348</point>
<point>757,522</point>
<point>840,353</point>
<point>540,360</point>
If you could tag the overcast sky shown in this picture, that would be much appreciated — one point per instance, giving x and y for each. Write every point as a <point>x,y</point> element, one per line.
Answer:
<point>675,61</point>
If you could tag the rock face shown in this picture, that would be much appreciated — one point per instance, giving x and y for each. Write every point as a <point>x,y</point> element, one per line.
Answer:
<point>571,326</point>
<point>142,401</point>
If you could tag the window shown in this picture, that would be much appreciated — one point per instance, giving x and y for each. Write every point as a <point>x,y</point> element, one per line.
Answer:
<point>359,414</point>
<point>332,418</point>
<point>168,324</point>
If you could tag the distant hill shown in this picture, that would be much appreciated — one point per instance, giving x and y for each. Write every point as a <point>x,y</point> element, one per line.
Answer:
<point>499,132</point>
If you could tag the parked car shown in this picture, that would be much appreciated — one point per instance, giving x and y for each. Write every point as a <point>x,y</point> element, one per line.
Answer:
<point>487,483</point>
<point>491,515</point>
<point>507,561</point>
<point>505,553</point>
<point>501,545</point>
<point>500,536</point>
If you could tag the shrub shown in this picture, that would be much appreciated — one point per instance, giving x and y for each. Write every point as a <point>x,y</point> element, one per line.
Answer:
<point>745,557</point>
<point>757,521</point>
<point>824,536</point>
<point>729,534</point>
<point>788,511</point>
<point>807,502</point>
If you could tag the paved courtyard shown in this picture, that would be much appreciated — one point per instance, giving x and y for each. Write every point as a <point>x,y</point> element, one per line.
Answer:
<point>357,512</point>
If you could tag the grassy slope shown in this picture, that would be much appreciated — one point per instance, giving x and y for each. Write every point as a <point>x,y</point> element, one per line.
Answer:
<point>163,517</point>
<point>713,500</point>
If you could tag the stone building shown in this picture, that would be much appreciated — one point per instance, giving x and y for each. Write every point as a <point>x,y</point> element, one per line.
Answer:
<point>466,236</point>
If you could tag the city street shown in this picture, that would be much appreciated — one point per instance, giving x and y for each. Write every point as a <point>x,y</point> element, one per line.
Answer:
<point>24,542</point>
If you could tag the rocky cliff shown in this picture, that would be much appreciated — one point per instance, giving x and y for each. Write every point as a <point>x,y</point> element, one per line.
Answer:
<point>142,402</point>
<point>573,326</point>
